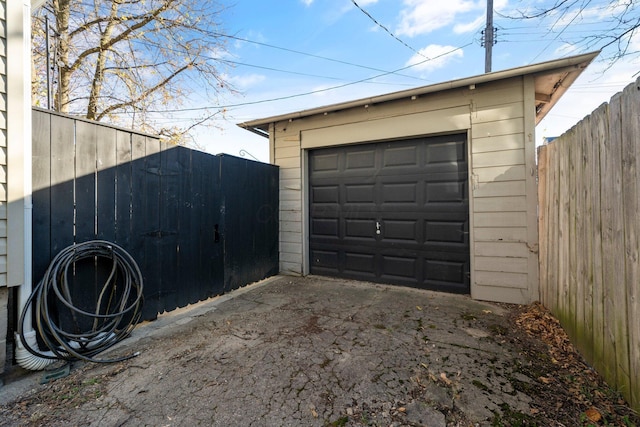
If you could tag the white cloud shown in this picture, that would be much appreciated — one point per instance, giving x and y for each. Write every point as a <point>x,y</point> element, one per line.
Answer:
<point>424,16</point>
<point>307,2</point>
<point>245,81</point>
<point>470,26</point>
<point>566,49</point>
<point>442,55</point>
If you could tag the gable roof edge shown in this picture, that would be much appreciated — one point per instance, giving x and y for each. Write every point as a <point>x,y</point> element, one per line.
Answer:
<point>260,126</point>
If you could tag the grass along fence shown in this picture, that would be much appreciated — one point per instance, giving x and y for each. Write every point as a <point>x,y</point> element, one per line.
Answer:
<point>589,217</point>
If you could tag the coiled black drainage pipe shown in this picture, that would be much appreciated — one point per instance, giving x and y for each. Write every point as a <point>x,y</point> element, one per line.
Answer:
<point>117,309</point>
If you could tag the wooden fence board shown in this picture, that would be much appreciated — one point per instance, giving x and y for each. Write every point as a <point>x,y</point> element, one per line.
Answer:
<point>85,181</point>
<point>598,133</point>
<point>589,260</point>
<point>123,199</point>
<point>631,198</point>
<point>41,194</point>
<point>617,285</point>
<point>542,218</point>
<point>168,241</point>
<point>577,264</point>
<point>106,145</point>
<point>62,175</point>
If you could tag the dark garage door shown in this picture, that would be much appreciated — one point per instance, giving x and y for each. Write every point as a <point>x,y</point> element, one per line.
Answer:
<point>392,212</point>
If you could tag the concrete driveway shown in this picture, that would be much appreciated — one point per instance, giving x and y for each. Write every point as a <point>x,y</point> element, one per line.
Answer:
<point>301,352</point>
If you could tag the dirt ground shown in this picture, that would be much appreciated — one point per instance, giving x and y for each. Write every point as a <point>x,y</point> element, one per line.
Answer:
<point>519,370</point>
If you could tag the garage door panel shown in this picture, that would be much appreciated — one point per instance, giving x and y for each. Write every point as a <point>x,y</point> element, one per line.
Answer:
<point>447,191</point>
<point>327,162</point>
<point>325,227</point>
<point>361,159</point>
<point>405,267</point>
<point>400,157</point>
<point>325,194</point>
<point>361,229</point>
<point>323,259</point>
<point>363,263</point>
<point>438,231</point>
<point>393,212</point>
<point>401,230</point>
<point>359,193</point>
<point>444,271</point>
<point>445,156</point>
<point>401,192</point>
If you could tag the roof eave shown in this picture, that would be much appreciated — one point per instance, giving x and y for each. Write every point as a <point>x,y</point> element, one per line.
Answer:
<point>568,70</point>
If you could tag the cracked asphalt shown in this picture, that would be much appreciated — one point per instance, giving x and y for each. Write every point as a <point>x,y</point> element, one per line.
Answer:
<point>292,351</point>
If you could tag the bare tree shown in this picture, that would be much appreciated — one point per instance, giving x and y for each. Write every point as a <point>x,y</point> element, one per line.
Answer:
<point>131,62</point>
<point>618,20</point>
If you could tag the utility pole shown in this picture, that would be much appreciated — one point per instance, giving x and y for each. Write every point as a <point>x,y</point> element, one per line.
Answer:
<point>489,37</point>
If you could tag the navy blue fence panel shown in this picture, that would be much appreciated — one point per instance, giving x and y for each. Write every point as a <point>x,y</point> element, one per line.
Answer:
<point>250,232</point>
<point>198,225</point>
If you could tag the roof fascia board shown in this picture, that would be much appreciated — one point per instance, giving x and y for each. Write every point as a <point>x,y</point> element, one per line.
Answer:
<point>540,68</point>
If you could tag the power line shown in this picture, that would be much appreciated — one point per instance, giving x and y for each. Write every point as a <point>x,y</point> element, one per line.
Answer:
<point>262,67</point>
<point>313,92</point>
<point>386,29</point>
<point>312,55</point>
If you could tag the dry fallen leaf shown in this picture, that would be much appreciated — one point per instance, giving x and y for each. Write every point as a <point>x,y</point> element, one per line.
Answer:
<point>418,307</point>
<point>314,413</point>
<point>545,380</point>
<point>593,414</point>
<point>487,311</point>
<point>444,378</point>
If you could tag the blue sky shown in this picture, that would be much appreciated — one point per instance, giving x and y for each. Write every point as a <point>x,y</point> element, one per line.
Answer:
<point>320,48</point>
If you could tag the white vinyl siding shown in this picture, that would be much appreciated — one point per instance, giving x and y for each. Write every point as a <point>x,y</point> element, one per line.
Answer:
<point>3,145</point>
<point>501,259</point>
<point>287,155</point>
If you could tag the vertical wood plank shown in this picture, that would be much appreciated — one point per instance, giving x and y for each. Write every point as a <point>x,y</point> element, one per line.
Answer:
<point>598,133</point>
<point>41,180</point>
<point>106,151</point>
<point>63,152</point>
<point>629,137</point>
<point>584,206</point>
<point>123,177</point>
<point>572,285</point>
<point>553,292</point>
<point>631,201</point>
<point>543,207</point>
<point>607,167</point>
<point>619,297</point>
<point>168,243</point>
<point>85,181</point>
<point>151,231</point>
<point>139,224</point>
<point>62,185</point>
<point>85,284</point>
<point>187,236</point>
<point>579,241</point>
<point>563,235</point>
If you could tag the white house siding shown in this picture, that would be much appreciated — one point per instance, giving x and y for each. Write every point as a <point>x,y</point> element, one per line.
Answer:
<point>504,247</point>
<point>14,133</point>
<point>3,184</point>
<point>503,235</point>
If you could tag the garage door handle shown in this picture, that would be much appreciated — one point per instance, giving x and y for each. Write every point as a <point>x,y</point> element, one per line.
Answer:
<point>377,227</point>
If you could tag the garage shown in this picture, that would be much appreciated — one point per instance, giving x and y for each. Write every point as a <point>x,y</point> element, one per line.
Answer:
<point>392,212</point>
<point>433,187</point>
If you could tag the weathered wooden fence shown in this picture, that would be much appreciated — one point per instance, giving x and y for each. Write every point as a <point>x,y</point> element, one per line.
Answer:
<point>589,201</point>
<point>198,225</point>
